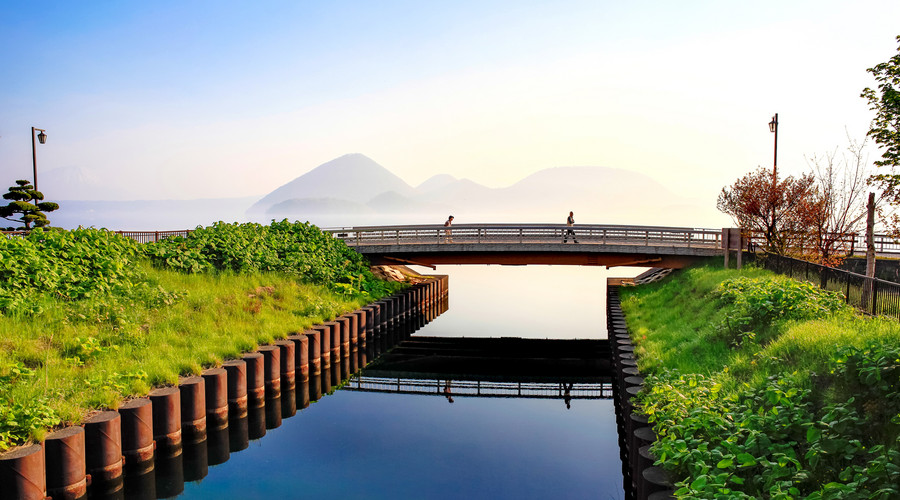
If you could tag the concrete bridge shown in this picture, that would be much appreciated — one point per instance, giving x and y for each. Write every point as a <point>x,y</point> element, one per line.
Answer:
<point>522,244</point>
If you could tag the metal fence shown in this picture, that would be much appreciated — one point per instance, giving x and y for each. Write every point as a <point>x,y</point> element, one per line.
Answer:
<point>139,236</point>
<point>843,244</point>
<point>150,236</point>
<point>870,295</point>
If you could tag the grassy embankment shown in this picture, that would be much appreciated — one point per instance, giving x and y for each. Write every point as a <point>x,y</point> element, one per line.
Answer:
<point>763,387</point>
<point>88,318</point>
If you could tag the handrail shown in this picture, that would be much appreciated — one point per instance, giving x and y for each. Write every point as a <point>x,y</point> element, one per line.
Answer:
<point>527,233</point>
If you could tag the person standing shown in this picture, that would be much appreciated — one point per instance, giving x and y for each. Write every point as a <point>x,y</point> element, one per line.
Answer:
<point>447,224</point>
<point>570,221</point>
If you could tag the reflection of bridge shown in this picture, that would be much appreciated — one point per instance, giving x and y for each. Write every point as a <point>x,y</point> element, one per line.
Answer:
<point>506,360</point>
<point>519,244</point>
<point>480,389</point>
<point>492,368</point>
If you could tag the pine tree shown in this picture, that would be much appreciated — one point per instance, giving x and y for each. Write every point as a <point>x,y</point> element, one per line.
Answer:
<point>26,201</point>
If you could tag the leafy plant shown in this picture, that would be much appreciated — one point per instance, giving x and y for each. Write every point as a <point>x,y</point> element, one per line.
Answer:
<point>759,305</point>
<point>21,420</point>
<point>296,248</point>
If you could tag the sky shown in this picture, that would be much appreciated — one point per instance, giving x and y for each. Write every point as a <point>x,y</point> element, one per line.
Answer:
<point>190,99</point>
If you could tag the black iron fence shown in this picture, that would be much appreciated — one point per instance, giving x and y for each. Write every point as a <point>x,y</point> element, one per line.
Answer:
<point>870,295</point>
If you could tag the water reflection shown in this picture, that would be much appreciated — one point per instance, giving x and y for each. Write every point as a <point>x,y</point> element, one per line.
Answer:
<point>510,439</point>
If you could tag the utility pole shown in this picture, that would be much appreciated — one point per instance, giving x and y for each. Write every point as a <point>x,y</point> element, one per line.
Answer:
<point>870,253</point>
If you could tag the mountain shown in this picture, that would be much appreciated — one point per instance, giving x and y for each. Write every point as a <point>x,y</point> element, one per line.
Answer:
<point>352,177</point>
<point>355,190</point>
<point>435,183</point>
<point>316,206</point>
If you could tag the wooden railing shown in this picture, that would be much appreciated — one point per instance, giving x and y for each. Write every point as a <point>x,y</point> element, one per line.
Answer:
<point>528,233</point>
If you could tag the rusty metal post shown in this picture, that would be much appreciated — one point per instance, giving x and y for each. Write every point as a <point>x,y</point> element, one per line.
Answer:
<point>166,418</point>
<point>325,346</point>
<point>301,362</point>
<point>103,446</point>
<point>272,366</point>
<point>193,408</point>
<point>288,362</point>
<point>256,380</point>
<point>137,431</point>
<point>216,394</point>
<point>66,470</point>
<point>237,388</point>
<point>23,474</point>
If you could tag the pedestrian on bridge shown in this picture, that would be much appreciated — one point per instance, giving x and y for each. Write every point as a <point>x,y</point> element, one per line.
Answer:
<point>447,224</point>
<point>570,221</point>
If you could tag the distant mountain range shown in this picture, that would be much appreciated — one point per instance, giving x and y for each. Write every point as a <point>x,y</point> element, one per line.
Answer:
<point>358,188</point>
<point>355,190</point>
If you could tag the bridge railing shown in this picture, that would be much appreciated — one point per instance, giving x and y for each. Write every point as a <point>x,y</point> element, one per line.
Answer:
<point>484,389</point>
<point>527,233</point>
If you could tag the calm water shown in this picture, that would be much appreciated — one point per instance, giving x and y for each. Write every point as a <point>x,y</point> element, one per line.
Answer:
<point>380,445</point>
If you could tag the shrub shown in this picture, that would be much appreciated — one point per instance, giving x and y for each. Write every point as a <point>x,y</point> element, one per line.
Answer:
<point>756,307</point>
<point>297,248</point>
<point>73,266</point>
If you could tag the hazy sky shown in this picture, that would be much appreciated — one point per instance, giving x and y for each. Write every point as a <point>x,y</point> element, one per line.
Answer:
<point>184,99</point>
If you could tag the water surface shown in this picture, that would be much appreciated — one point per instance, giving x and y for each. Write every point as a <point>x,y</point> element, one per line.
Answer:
<point>378,445</point>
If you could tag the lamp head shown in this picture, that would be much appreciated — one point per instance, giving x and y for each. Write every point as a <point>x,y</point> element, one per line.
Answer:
<point>773,125</point>
<point>42,137</point>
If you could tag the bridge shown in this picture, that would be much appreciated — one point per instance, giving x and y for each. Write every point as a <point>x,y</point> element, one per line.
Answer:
<point>522,244</point>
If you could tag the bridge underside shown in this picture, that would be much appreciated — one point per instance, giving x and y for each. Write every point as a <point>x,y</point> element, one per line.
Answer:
<point>520,258</point>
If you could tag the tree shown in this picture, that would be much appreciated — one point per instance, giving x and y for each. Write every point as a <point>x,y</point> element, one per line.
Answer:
<point>24,196</point>
<point>840,213</point>
<point>779,210</point>
<point>885,128</point>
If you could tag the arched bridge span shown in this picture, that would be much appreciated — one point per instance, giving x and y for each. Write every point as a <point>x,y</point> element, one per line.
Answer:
<point>522,244</point>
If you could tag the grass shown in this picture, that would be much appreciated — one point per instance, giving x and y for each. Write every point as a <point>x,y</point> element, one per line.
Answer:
<point>76,365</point>
<point>763,387</point>
<point>676,326</point>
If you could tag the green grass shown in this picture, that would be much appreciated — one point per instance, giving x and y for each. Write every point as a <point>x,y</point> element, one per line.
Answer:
<point>673,327</point>
<point>83,364</point>
<point>763,387</point>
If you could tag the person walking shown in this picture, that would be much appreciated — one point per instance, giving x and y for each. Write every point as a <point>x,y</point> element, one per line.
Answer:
<point>570,221</point>
<point>447,224</point>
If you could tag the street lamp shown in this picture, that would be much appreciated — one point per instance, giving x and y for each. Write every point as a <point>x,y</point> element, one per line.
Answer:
<point>42,137</point>
<point>773,127</point>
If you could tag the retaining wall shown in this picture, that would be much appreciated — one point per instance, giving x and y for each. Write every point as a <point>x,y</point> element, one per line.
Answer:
<point>178,432</point>
<point>643,480</point>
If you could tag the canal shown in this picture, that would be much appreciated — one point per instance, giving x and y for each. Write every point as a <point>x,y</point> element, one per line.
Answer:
<point>442,443</point>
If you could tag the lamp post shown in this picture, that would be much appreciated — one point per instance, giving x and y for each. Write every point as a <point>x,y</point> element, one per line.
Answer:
<point>42,137</point>
<point>771,230</point>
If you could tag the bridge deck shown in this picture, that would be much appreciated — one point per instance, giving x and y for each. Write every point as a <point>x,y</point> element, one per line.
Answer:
<point>520,244</point>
